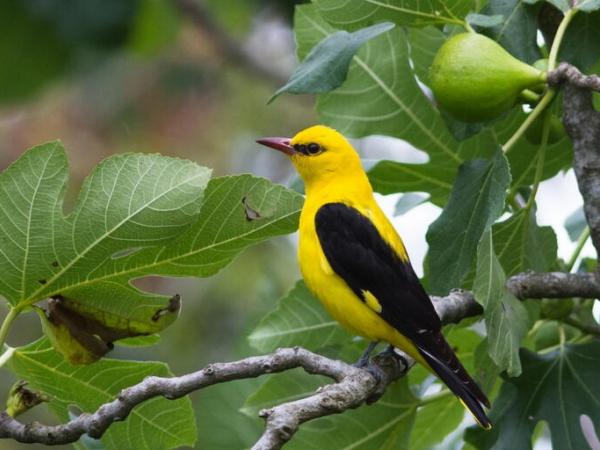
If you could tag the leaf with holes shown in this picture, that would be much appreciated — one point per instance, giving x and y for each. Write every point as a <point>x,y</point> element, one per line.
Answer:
<point>136,215</point>
<point>88,387</point>
<point>557,387</point>
<point>299,319</point>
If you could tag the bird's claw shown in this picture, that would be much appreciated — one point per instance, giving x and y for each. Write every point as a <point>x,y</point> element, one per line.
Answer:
<point>380,379</point>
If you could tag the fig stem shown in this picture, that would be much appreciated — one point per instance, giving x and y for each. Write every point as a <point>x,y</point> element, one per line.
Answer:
<point>583,237</point>
<point>541,156</point>
<point>8,320</point>
<point>530,96</point>
<point>545,101</point>
<point>560,33</point>
<point>549,95</point>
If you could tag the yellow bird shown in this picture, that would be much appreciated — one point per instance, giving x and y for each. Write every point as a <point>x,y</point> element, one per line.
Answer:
<point>353,260</point>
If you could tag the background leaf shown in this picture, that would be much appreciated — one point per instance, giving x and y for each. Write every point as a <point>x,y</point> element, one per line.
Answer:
<point>477,199</point>
<point>556,387</point>
<point>90,386</point>
<point>522,245</point>
<point>299,319</point>
<point>382,96</point>
<point>326,65</point>
<point>357,13</point>
<point>409,201</point>
<point>575,223</point>
<point>518,32</point>
<point>387,424</point>
<point>506,318</point>
<point>581,45</point>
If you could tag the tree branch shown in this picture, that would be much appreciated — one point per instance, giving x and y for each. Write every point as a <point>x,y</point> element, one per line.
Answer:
<point>353,387</point>
<point>566,73</point>
<point>554,285</point>
<point>582,123</point>
<point>202,18</point>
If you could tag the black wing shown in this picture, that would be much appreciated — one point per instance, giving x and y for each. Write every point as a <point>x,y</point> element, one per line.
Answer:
<point>366,262</point>
<point>357,253</point>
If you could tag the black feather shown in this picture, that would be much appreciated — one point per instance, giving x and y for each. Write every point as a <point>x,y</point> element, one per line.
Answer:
<point>366,262</point>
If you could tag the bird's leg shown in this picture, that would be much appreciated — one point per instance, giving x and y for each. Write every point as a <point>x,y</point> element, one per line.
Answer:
<point>364,359</point>
<point>401,360</point>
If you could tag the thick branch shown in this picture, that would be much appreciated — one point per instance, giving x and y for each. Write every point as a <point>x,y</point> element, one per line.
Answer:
<point>582,123</point>
<point>554,285</point>
<point>352,388</point>
<point>566,73</point>
<point>203,19</point>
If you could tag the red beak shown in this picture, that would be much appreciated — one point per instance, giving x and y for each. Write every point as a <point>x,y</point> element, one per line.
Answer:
<point>278,143</point>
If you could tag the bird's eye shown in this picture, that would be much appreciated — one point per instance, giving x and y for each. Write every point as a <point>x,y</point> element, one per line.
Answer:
<point>313,149</point>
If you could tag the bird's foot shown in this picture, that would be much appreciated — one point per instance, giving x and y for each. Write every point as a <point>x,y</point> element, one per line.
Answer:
<point>381,382</point>
<point>363,361</point>
<point>399,360</point>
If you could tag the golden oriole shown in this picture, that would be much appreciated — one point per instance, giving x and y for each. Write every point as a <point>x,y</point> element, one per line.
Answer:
<point>353,260</point>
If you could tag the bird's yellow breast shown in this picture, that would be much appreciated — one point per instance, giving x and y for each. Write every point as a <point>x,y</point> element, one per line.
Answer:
<point>358,316</point>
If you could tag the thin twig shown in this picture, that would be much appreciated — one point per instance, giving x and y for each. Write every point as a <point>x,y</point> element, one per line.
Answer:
<point>234,52</point>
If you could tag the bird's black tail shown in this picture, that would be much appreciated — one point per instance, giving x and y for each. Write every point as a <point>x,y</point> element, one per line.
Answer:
<point>447,366</point>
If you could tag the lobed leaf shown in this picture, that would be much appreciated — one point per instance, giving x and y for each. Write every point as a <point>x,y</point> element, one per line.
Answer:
<point>352,14</point>
<point>90,386</point>
<point>556,387</point>
<point>299,319</point>
<point>136,215</point>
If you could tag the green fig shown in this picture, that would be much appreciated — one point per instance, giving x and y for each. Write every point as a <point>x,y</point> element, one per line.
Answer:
<point>541,64</point>
<point>475,80</point>
<point>555,134</point>
<point>553,308</point>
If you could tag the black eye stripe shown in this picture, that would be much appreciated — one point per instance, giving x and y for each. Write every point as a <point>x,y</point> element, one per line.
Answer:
<point>310,149</point>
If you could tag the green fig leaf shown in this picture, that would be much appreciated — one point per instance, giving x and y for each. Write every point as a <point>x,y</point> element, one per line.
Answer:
<point>575,223</point>
<point>558,387</point>
<point>581,46</point>
<point>587,5</point>
<point>385,424</point>
<point>87,387</point>
<point>476,201</point>
<point>518,32</point>
<point>299,319</point>
<point>326,65</point>
<point>521,245</point>
<point>282,388</point>
<point>484,20</point>
<point>506,319</point>
<point>408,201</point>
<point>137,215</point>
<point>352,14</point>
<point>379,93</point>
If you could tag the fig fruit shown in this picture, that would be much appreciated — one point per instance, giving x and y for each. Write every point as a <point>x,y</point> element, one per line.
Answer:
<point>553,308</point>
<point>556,133</point>
<point>475,80</point>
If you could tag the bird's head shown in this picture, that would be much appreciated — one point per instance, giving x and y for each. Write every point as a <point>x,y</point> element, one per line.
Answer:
<point>319,153</point>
